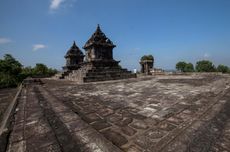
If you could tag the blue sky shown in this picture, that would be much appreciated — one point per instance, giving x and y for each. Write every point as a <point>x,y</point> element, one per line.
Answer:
<point>41,31</point>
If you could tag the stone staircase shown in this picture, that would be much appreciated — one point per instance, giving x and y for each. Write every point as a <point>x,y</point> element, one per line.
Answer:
<point>89,74</point>
<point>61,75</point>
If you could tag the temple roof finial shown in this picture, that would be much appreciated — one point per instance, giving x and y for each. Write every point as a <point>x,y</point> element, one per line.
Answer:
<point>74,51</point>
<point>98,28</point>
<point>99,38</point>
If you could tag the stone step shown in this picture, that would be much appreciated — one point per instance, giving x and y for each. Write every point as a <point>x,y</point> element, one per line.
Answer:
<point>107,73</point>
<point>106,78</point>
<point>81,133</point>
<point>104,69</point>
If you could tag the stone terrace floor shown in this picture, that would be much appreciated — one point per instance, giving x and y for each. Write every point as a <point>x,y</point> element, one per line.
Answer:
<point>6,96</point>
<point>162,113</point>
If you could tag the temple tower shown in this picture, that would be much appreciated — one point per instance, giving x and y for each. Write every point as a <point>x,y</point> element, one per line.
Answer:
<point>99,64</point>
<point>74,57</point>
<point>99,47</point>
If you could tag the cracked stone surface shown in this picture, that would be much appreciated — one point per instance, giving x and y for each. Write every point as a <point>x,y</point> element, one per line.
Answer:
<point>6,96</point>
<point>162,113</point>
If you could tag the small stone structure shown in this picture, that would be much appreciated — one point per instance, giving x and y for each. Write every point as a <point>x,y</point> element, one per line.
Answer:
<point>146,66</point>
<point>74,57</point>
<point>98,65</point>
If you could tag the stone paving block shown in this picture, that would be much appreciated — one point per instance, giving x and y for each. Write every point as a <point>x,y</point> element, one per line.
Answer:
<point>114,118</point>
<point>87,109</point>
<point>138,116</point>
<point>91,117</point>
<point>166,126</point>
<point>68,116</point>
<point>17,135</point>
<point>139,124</point>
<point>115,137</point>
<point>51,148</point>
<point>167,112</point>
<point>84,135</point>
<point>105,112</point>
<point>32,104</point>
<point>133,148</point>
<point>124,122</point>
<point>155,134</point>
<point>116,105</point>
<point>38,127</point>
<point>60,108</point>
<point>91,147</point>
<point>144,142</point>
<point>67,142</point>
<point>175,120</point>
<point>77,125</point>
<point>17,147</point>
<point>147,111</point>
<point>92,140</point>
<point>128,130</point>
<point>19,117</point>
<point>124,112</point>
<point>184,117</point>
<point>35,143</point>
<point>33,115</point>
<point>99,125</point>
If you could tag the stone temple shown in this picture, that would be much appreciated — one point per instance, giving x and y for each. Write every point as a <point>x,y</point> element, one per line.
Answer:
<point>97,64</point>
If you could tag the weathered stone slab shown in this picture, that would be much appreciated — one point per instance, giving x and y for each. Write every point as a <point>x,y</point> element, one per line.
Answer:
<point>166,126</point>
<point>68,116</point>
<point>91,117</point>
<point>99,125</point>
<point>144,142</point>
<point>139,124</point>
<point>155,134</point>
<point>115,137</point>
<point>128,130</point>
<point>124,122</point>
<point>17,147</point>
<point>77,125</point>
<point>105,112</point>
<point>114,118</point>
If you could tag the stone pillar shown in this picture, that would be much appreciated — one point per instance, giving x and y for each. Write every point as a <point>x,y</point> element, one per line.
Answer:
<point>146,66</point>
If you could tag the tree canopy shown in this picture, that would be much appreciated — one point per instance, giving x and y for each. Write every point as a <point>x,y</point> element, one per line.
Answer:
<point>201,66</point>
<point>222,68</point>
<point>205,66</point>
<point>12,72</point>
<point>147,57</point>
<point>184,67</point>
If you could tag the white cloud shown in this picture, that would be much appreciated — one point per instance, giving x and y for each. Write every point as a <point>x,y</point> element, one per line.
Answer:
<point>206,55</point>
<point>4,40</point>
<point>38,46</point>
<point>55,4</point>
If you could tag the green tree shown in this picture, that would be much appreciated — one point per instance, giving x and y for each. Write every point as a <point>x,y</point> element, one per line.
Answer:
<point>184,67</point>
<point>180,66</point>
<point>40,70</point>
<point>222,68</point>
<point>10,70</point>
<point>52,72</point>
<point>205,66</point>
<point>147,57</point>
<point>10,65</point>
<point>189,67</point>
<point>26,72</point>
